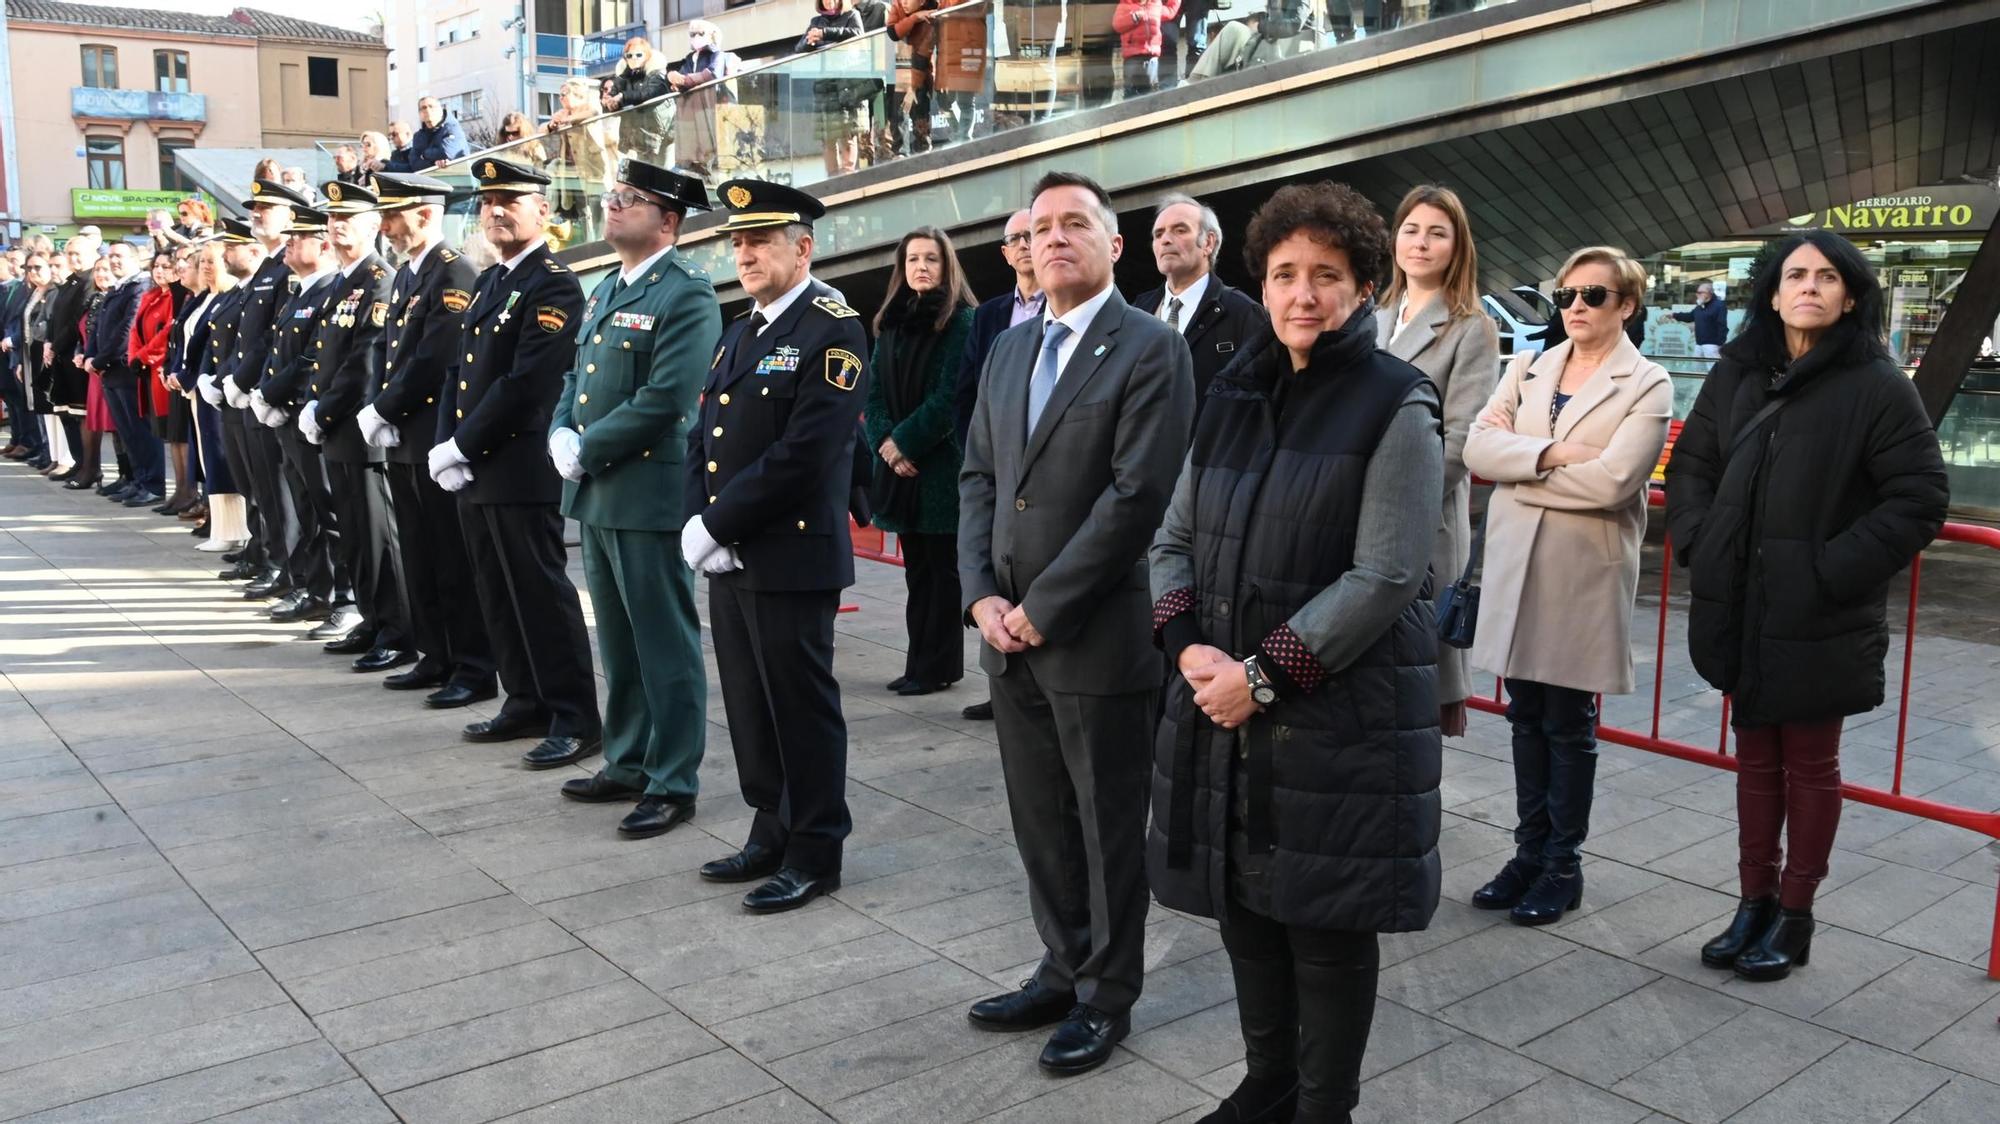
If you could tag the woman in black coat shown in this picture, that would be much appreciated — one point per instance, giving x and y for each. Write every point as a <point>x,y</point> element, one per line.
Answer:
<point>641,77</point>
<point>1807,476</point>
<point>69,385</point>
<point>1295,779</point>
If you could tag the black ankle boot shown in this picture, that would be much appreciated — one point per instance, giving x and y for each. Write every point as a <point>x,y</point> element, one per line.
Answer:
<point>1787,942</point>
<point>1556,892</point>
<point>1508,887</point>
<point>1258,1100</point>
<point>1753,916</point>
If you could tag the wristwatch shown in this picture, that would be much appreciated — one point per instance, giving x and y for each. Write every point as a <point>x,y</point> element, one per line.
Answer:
<point>1261,690</point>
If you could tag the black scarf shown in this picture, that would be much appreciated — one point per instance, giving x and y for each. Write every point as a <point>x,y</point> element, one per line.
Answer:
<point>909,337</point>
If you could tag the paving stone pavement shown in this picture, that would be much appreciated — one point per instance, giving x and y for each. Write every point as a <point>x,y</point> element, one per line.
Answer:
<point>240,882</point>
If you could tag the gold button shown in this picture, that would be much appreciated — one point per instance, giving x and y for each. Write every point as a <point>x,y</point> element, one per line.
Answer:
<point>315,366</point>
<point>389,366</point>
<point>315,388</point>
<point>462,385</point>
<point>460,413</point>
<point>766,392</point>
<point>597,338</point>
<point>711,499</point>
<point>711,468</point>
<point>647,453</point>
<point>582,398</point>
<point>429,401</point>
<point>319,343</point>
<point>590,368</point>
<point>475,331</point>
<point>627,345</point>
<point>717,431</point>
<point>1020,505</point>
<point>802,524</point>
<point>399,321</point>
<point>468,357</point>
<point>725,400</point>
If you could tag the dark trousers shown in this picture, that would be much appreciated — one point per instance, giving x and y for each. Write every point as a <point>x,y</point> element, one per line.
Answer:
<point>774,661</point>
<point>27,427</point>
<point>533,616</point>
<point>437,582</point>
<point>363,548</point>
<point>1142,75</point>
<point>1788,780</point>
<point>314,564</point>
<point>649,644</point>
<point>1306,1000</point>
<point>277,523</point>
<point>1077,769</point>
<point>1555,769</point>
<point>147,456</point>
<point>236,455</point>
<point>937,636</point>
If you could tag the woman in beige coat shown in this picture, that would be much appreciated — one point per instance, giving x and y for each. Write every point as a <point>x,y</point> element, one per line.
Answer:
<point>1570,441</point>
<point>1430,318</point>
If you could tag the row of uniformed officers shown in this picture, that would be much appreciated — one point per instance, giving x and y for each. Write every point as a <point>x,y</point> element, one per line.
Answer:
<point>413,437</point>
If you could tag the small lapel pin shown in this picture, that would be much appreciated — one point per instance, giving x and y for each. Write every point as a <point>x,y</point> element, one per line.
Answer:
<point>1099,351</point>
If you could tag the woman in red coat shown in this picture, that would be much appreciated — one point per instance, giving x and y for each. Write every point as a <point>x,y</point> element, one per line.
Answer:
<point>152,331</point>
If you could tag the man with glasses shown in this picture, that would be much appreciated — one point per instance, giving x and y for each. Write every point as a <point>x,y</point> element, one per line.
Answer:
<point>519,335</point>
<point>618,438</point>
<point>440,141</point>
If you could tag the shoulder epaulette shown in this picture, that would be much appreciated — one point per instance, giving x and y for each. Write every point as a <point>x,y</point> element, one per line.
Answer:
<point>555,266</point>
<point>447,253</point>
<point>833,308</point>
<point>377,272</point>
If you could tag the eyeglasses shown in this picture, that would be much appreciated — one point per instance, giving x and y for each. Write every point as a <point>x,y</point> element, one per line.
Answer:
<point>619,200</point>
<point>1021,238</point>
<point>1593,296</point>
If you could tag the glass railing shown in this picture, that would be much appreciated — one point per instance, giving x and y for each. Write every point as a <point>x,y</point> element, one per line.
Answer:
<point>871,100</point>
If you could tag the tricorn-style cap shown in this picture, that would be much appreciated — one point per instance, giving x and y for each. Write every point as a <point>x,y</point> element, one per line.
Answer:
<point>759,203</point>
<point>495,174</point>
<point>670,187</point>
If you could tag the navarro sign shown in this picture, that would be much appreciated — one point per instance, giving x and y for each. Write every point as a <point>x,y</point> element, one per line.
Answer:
<point>1936,210</point>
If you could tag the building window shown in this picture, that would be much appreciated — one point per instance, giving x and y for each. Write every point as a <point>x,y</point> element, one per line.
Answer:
<point>459,29</point>
<point>107,162</point>
<point>467,107</point>
<point>171,178</point>
<point>100,66</point>
<point>170,72</point>
<point>322,77</point>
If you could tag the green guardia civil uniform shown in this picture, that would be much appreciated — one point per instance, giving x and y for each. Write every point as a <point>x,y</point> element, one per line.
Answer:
<point>642,354</point>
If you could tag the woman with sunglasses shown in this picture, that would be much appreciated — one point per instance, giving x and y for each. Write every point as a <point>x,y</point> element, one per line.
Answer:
<point>1791,525</point>
<point>1569,438</point>
<point>515,128</point>
<point>641,78</point>
<point>695,78</point>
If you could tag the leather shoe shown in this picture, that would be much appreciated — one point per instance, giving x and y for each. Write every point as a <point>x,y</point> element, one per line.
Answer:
<point>505,727</point>
<point>1506,889</point>
<point>346,642</point>
<point>754,861</point>
<point>232,556</point>
<point>1084,1040</point>
<point>599,789</point>
<point>1032,1006</point>
<point>143,497</point>
<point>241,571</point>
<point>912,688</point>
<point>427,673</point>
<point>559,750</point>
<point>789,889</point>
<point>454,695</point>
<point>1555,893</point>
<point>655,815</point>
<point>978,712</point>
<point>268,584</point>
<point>342,623</point>
<point>305,608</point>
<point>379,658</point>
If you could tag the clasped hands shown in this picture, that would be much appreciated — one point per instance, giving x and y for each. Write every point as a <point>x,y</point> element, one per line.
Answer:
<point>309,424</point>
<point>376,429</point>
<point>448,467</point>
<point>1005,625</point>
<point>1555,454</point>
<point>894,458</point>
<point>702,552</point>
<point>566,450</point>
<point>1221,685</point>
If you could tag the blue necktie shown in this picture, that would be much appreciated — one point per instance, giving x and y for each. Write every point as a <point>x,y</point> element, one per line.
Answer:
<point>1046,370</point>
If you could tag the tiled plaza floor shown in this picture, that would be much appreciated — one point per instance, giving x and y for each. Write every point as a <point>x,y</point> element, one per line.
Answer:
<point>240,882</point>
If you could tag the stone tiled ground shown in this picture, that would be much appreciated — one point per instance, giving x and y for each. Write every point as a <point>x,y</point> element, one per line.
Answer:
<point>239,882</point>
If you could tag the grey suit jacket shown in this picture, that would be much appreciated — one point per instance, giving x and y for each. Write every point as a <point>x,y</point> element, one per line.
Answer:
<point>1058,522</point>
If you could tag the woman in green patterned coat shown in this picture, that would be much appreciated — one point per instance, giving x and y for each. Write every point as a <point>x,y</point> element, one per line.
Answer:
<point>919,336</point>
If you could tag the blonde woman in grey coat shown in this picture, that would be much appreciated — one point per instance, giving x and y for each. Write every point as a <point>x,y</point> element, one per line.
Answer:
<point>1430,318</point>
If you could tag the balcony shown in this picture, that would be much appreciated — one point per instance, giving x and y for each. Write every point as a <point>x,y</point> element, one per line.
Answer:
<point>136,105</point>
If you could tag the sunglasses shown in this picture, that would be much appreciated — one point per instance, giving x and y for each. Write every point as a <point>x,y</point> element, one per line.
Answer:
<point>633,56</point>
<point>1593,296</point>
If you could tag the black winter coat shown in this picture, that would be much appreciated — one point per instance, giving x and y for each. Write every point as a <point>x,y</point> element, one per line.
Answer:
<point>1790,544</point>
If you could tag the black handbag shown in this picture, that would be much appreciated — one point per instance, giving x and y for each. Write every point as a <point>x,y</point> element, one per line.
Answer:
<point>1458,605</point>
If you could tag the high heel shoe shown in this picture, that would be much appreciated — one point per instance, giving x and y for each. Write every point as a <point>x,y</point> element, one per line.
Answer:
<point>67,474</point>
<point>1555,893</point>
<point>1753,916</point>
<point>84,485</point>
<point>1787,943</point>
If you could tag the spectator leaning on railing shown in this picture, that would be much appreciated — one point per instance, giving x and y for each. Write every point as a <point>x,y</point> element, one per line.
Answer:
<point>641,77</point>
<point>440,141</point>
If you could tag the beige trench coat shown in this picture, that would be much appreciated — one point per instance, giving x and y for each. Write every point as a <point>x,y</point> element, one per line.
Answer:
<point>1462,356</point>
<point>1562,546</point>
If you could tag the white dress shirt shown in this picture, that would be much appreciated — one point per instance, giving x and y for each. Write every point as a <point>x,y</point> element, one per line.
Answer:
<point>1078,321</point>
<point>771,312</point>
<point>1190,299</point>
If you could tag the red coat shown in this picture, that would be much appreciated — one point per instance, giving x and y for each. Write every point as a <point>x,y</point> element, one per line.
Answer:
<point>1137,23</point>
<point>151,329</point>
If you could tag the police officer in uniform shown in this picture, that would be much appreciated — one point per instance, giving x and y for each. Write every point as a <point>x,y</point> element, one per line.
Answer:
<point>419,355</point>
<point>253,444</point>
<point>492,448</point>
<point>619,433</point>
<point>224,319</point>
<point>344,366</point>
<point>768,469</point>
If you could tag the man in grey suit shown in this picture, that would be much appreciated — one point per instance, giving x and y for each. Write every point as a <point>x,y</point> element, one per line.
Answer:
<point>1081,423</point>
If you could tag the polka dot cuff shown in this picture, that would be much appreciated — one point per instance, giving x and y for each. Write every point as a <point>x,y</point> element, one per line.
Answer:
<point>1170,606</point>
<point>1286,656</point>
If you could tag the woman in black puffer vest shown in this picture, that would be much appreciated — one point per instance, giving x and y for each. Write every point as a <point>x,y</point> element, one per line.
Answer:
<point>1791,535</point>
<point>1295,782</point>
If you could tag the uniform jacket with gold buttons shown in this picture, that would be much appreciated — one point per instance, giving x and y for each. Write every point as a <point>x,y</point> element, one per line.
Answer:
<point>292,335</point>
<point>347,360</point>
<point>769,463</point>
<point>631,391</point>
<point>519,335</point>
<point>265,294</point>
<point>420,347</point>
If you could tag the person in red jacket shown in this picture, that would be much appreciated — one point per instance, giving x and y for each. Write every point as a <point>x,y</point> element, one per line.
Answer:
<point>1138,23</point>
<point>152,331</point>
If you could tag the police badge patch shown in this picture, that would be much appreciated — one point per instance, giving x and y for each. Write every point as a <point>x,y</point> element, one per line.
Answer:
<point>379,313</point>
<point>457,300</point>
<point>843,368</point>
<point>551,319</point>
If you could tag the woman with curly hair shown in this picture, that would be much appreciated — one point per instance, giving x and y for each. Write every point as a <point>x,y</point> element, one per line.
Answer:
<point>1295,779</point>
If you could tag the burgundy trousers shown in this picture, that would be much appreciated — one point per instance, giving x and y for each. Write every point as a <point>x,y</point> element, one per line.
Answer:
<point>1789,781</point>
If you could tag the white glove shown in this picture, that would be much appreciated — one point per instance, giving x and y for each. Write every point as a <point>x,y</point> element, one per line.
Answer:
<point>454,477</point>
<point>444,455</point>
<point>566,449</point>
<point>272,416</point>
<point>722,561</point>
<point>210,393</point>
<point>375,430</point>
<point>235,395</point>
<point>698,546</point>
<point>309,424</point>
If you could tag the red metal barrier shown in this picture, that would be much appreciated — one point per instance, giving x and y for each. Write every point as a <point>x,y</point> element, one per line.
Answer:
<point>1972,819</point>
<point>872,543</point>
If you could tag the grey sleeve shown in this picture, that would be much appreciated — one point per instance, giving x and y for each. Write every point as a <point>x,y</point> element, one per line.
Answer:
<point>1170,562</point>
<point>1392,548</point>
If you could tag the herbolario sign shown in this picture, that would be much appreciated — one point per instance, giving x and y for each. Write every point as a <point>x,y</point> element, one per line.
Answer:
<point>1951,209</point>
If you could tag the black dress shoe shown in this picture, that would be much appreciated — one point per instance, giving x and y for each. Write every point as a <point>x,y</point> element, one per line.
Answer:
<point>270,583</point>
<point>167,508</point>
<point>978,712</point>
<point>1508,887</point>
<point>754,861</point>
<point>557,749</point>
<point>65,476</point>
<point>1084,1040</point>
<point>115,488</point>
<point>898,683</point>
<point>343,624</point>
<point>142,497</point>
<point>287,600</point>
<point>306,608</point>
<point>1555,893</point>
<point>1753,916</point>
<point>912,688</point>
<point>789,889</point>
<point>1032,1006</point>
<point>232,556</point>
<point>382,659</point>
<point>655,815</point>
<point>1778,949</point>
<point>599,789</point>
<point>1258,1100</point>
<point>454,695</point>
<point>427,673</point>
<point>347,640</point>
<point>505,727</point>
